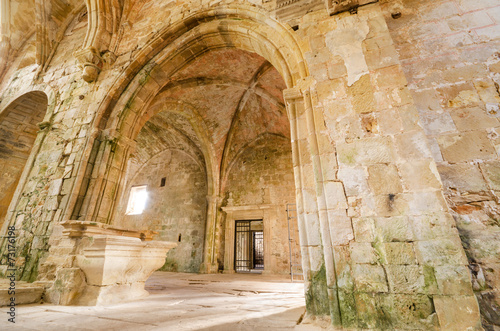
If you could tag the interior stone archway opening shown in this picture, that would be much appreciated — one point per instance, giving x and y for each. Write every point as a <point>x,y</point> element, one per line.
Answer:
<point>136,97</point>
<point>219,129</point>
<point>18,131</point>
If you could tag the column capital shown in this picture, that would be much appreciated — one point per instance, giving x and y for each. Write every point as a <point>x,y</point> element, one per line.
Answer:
<point>114,136</point>
<point>302,87</point>
<point>292,94</point>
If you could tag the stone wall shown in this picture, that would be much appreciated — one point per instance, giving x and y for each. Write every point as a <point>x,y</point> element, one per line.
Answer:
<point>177,211</point>
<point>449,51</point>
<point>262,175</point>
<point>18,127</point>
<point>394,241</point>
<point>49,183</point>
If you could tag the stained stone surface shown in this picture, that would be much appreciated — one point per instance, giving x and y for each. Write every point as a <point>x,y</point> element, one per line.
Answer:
<point>378,120</point>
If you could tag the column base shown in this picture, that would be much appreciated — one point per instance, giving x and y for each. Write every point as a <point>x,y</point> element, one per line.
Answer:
<point>209,268</point>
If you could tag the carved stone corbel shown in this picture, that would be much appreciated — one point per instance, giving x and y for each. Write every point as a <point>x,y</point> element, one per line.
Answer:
<point>91,63</point>
<point>109,58</point>
<point>103,25</point>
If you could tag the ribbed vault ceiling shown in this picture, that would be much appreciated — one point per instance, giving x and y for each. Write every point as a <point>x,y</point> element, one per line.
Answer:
<point>229,99</point>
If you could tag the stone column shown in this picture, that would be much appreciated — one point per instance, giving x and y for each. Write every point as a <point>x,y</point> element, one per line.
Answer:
<point>315,242</point>
<point>229,238</point>
<point>106,179</point>
<point>209,264</point>
<point>397,256</point>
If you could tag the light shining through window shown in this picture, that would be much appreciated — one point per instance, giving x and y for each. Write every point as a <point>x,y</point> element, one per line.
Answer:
<point>137,200</point>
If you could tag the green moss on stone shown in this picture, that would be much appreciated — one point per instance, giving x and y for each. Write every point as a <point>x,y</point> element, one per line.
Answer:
<point>374,311</point>
<point>144,78</point>
<point>349,157</point>
<point>430,281</point>
<point>317,302</point>
<point>378,246</point>
<point>348,309</point>
<point>170,265</point>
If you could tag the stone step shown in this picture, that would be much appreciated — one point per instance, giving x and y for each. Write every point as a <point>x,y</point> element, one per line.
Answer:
<point>22,292</point>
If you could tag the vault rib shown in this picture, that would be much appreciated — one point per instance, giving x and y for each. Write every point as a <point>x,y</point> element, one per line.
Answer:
<point>241,104</point>
<point>204,81</point>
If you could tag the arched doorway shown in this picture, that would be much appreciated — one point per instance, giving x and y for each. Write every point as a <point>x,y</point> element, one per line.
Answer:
<point>18,131</point>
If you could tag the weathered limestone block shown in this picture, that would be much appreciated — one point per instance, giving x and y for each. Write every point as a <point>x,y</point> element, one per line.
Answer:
<point>366,151</point>
<point>109,265</point>
<point>419,175</point>
<point>406,278</point>
<point>391,204</point>
<point>440,252</point>
<point>415,311</point>
<point>426,100</point>
<point>384,179</point>
<point>437,122</point>
<point>462,177</point>
<point>463,317</point>
<point>386,229</point>
<point>340,228</point>
<point>399,253</point>
<point>364,229</point>
<point>354,180</point>
<point>334,192</point>
<point>433,226</point>
<point>67,286</point>
<point>25,293</point>
<point>370,278</point>
<point>390,121</point>
<point>426,202</point>
<point>473,118</point>
<point>467,146</point>
<point>491,171</point>
<point>412,145</point>
<point>453,280</point>
<point>361,93</point>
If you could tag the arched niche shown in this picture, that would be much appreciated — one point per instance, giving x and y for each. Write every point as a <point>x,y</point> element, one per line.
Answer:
<point>18,132</point>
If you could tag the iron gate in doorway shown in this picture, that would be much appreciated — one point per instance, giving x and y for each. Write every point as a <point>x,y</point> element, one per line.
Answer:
<point>249,246</point>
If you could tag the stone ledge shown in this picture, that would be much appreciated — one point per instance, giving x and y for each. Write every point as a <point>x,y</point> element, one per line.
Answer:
<point>248,207</point>
<point>25,293</point>
<point>75,229</point>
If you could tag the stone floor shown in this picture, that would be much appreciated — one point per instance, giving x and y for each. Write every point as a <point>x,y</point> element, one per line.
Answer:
<point>180,301</point>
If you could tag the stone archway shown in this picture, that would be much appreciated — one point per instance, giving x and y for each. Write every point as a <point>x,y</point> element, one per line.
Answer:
<point>18,132</point>
<point>122,116</point>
